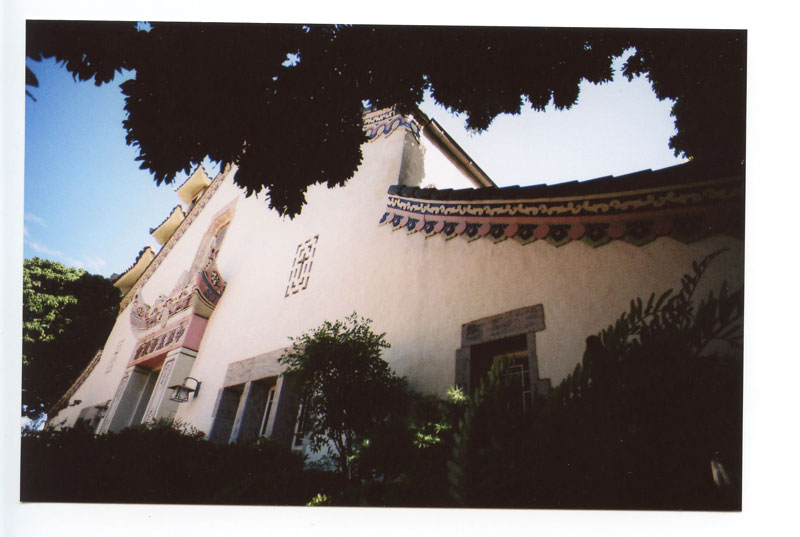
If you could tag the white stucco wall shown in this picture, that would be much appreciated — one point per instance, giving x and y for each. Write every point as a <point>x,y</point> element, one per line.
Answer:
<point>417,290</point>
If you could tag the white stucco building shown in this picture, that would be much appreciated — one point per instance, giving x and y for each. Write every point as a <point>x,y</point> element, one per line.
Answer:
<point>452,268</point>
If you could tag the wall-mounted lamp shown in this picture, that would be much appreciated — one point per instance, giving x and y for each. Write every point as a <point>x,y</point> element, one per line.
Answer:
<point>180,392</point>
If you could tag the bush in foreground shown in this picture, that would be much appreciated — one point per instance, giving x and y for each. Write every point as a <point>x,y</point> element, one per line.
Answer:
<point>164,464</point>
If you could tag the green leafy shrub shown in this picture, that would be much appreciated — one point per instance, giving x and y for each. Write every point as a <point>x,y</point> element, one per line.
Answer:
<point>347,390</point>
<point>636,425</point>
<point>403,463</point>
<point>164,463</point>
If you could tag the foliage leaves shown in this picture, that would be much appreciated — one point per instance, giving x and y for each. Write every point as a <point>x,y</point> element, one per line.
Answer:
<point>490,419</point>
<point>285,102</point>
<point>636,425</point>
<point>656,398</point>
<point>404,462</point>
<point>74,465</point>
<point>66,316</point>
<point>347,390</point>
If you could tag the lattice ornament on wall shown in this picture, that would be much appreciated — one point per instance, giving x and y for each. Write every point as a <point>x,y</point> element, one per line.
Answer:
<point>301,267</point>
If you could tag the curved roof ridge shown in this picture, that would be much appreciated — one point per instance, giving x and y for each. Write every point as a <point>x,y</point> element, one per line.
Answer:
<point>176,208</point>
<point>193,185</point>
<point>642,180</point>
<point>135,262</point>
<point>189,176</point>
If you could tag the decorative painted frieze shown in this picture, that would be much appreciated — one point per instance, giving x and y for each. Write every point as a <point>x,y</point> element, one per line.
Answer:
<point>201,295</point>
<point>160,343</point>
<point>209,287</point>
<point>686,212</point>
<point>385,122</point>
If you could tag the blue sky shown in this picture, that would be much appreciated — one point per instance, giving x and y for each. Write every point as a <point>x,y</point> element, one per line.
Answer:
<point>616,128</point>
<point>88,205</point>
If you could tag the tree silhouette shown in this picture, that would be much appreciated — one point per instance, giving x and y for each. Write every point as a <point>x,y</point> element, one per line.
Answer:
<point>285,102</point>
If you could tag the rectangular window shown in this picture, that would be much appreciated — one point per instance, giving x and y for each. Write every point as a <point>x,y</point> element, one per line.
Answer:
<point>518,374</point>
<point>511,335</point>
<point>225,414</point>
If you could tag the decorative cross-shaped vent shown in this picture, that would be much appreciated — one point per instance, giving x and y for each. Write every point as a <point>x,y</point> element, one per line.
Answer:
<point>301,268</point>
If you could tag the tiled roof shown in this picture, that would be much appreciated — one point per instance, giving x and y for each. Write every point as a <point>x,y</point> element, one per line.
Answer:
<point>141,253</point>
<point>641,180</point>
<point>174,209</point>
<point>682,201</point>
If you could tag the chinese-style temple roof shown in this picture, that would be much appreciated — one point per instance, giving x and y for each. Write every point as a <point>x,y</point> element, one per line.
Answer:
<point>682,201</point>
<point>129,277</point>
<point>193,185</point>
<point>163,230</point>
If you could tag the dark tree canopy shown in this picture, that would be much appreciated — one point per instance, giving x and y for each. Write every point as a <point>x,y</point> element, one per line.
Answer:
<point>66,316</point>
<point>285,102</point>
